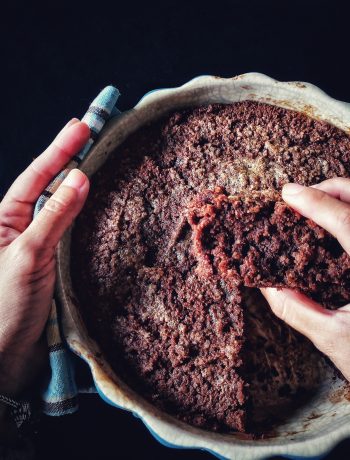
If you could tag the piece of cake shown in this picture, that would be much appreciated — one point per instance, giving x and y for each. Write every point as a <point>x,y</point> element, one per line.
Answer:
<point>257,240</point>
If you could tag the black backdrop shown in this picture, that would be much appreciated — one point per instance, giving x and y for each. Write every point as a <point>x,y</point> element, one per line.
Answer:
<point>55,58</point>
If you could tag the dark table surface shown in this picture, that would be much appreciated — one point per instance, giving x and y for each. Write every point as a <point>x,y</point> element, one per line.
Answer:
<point>56,57</point>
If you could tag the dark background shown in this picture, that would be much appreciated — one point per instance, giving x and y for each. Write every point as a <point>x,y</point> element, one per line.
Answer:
<point>56,57</point>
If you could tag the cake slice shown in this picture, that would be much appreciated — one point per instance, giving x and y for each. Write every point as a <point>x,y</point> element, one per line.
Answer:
<point>257,240</point>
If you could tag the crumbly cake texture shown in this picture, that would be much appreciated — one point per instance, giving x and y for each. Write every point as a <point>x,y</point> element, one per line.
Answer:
<point>176,337</point>
<point>257,240</point>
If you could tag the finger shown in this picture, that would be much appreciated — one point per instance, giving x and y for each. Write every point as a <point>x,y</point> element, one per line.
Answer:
<point>57,214</point>
<point>326,211</point>
<point>338,187</point>
<point>301,313</point>
<point>328,330</point>
<point>28,186</point>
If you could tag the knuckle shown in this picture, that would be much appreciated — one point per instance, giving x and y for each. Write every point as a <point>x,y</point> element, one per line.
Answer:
<point>35,167</point>
<point>5,233</point>
<point>316,195</point>
<point>60,201</point>
<point>284,309</point>
<point>5,215</point>
<point>281,308</point>
<point>55,206</point>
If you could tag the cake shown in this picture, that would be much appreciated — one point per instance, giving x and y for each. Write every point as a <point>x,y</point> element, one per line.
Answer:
<point>201,348</point>
<point>257,240</point>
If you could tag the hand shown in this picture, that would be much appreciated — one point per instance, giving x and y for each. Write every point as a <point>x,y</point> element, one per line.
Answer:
<point>327,204</point>
<point>27,255</point>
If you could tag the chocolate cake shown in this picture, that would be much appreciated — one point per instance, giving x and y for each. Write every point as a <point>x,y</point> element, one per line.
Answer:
<point>256,240</point>
<point>200,347</point>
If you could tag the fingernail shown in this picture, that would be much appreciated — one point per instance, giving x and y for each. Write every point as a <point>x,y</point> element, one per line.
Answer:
<point>292,189</point>
<point>268,290</point>
<point>75,179</point>
<point>71,122</point>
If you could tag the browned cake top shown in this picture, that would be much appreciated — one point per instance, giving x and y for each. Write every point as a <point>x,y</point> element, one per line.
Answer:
<point>173,335</point>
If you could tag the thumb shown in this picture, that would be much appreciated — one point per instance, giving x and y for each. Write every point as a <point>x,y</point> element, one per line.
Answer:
<point>58,213</point>
<point>303,314</point>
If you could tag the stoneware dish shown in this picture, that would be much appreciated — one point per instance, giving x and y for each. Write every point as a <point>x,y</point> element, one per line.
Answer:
<point>315,428</point>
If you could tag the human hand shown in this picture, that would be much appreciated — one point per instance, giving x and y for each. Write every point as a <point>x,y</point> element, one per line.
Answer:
<point>27,254</point>
<point>327,204</point>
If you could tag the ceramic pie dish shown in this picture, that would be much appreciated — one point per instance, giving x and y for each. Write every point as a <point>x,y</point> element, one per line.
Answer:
<point>318,426</point>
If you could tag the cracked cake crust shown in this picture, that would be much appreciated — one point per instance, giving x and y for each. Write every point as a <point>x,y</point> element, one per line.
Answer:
<point>175,337</point>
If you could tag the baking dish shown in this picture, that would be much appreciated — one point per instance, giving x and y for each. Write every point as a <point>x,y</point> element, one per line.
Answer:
<point>315,428</point>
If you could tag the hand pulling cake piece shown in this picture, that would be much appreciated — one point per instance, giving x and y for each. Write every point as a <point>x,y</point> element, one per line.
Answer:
<point>257,240</point>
